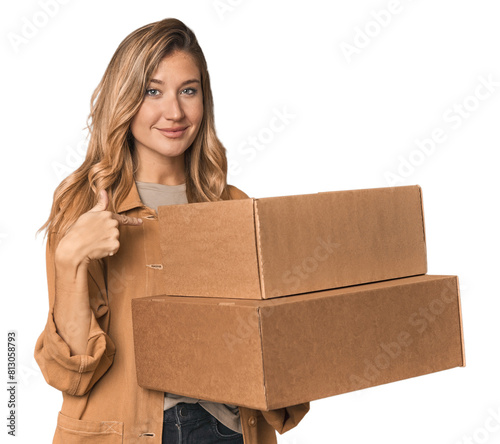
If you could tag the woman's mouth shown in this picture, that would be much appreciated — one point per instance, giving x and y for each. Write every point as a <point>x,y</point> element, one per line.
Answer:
<point>173,133</point>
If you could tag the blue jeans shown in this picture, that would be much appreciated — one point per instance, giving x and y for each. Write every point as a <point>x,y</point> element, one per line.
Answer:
<point>187,423</point>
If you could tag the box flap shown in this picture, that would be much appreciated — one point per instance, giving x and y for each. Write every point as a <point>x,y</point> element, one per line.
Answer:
<point>209,247</point>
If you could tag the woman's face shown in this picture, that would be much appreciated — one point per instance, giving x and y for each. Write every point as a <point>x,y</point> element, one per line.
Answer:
<point>170,115</point>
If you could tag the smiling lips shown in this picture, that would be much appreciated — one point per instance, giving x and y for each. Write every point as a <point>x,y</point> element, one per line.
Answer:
<point>173,133</point>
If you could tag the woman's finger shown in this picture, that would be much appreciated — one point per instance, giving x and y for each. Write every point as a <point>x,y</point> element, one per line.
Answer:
<point>126,220</point>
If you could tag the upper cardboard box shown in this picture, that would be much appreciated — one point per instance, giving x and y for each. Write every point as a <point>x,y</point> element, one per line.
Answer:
<point>277,246</point>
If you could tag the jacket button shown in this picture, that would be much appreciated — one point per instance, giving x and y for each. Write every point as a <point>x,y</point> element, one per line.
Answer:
<point>252,421</point>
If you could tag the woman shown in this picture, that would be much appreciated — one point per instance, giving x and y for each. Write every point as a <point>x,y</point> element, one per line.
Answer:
<point>152,142</point>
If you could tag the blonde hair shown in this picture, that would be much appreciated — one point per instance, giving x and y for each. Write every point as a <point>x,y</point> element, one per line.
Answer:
<point>109,162</point>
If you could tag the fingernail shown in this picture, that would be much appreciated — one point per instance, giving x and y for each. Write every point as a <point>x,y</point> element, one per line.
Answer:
<point>140,220</point>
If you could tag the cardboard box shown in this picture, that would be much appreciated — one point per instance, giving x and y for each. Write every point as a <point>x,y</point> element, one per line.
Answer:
<point>269,354</point>
<point>278,246</point>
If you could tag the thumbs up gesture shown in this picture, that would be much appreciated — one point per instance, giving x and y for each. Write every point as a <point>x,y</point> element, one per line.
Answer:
<point>94,234</point>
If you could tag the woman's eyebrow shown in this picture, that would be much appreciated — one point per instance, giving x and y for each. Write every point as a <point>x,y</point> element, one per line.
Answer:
<point>160,82</point>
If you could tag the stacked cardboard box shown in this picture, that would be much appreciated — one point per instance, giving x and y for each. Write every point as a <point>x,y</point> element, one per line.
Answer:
<point>277,301</point>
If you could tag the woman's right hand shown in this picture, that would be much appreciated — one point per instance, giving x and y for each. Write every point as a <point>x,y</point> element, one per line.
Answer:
<point>94,234</point>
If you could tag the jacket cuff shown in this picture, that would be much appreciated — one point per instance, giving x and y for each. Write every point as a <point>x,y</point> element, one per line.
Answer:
<point>76,374</point>
<point>286,418</point>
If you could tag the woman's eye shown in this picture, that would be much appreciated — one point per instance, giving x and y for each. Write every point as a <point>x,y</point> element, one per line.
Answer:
<point>190,91</point>
<point>152,92</point>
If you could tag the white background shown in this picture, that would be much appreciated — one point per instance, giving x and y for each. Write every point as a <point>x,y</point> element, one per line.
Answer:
<point>356,118</point>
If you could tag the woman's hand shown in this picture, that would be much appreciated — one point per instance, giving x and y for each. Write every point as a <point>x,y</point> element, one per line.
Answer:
<point>94,234</point>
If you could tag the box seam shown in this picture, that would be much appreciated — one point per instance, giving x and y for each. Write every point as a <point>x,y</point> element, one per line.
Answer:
<point>423,223</point>
<point>259,317</point>
<point>258,246</point>
<point>460,321</point>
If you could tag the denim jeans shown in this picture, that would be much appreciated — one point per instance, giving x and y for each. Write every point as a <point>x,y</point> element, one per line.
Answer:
<point>187,423</point>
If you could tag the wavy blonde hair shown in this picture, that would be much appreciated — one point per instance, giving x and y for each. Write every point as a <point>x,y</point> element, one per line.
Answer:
<point>109,160</point>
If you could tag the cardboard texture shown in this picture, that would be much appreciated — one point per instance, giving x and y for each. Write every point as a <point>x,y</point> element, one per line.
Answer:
<point>268,354</point>
<point>278,246</point>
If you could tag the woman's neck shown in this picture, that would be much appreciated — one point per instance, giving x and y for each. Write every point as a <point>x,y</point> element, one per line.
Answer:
<point>168,171</point>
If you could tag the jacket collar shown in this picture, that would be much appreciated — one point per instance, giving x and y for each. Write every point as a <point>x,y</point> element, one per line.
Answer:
<point>133,200</point>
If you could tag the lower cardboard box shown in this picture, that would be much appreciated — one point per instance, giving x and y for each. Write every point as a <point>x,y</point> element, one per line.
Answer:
<point>268,354</point>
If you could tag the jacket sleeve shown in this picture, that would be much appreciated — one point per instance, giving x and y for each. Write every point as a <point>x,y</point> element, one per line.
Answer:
<point>285,418</point>
<point>75,375</point>
<point>236,193</point>
<point>260,426</point>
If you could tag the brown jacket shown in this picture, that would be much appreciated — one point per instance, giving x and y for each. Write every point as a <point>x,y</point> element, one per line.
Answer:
<point>102,402</point>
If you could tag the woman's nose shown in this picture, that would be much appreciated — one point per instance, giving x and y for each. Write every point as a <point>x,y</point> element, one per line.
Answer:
<point>172,109</point>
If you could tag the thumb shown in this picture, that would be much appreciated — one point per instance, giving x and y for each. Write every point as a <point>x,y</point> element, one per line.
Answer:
<point>102,201</point>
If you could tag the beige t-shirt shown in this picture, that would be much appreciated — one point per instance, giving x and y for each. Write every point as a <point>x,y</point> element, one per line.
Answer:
<point>154,195</point>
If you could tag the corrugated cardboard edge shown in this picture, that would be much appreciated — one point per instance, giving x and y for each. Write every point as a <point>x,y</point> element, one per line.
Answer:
<point>258,246</point>
<point>259,313</point>
<point>423,224</point>
<point>460,320</point>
